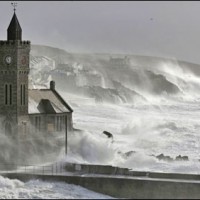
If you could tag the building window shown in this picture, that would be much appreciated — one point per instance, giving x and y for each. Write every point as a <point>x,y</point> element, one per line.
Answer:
<point>22,94</point>
<point>24,97</point>
<point>50,127</point>
<point>59,123</point>
<point>8,94</point>
<point>38,123</point>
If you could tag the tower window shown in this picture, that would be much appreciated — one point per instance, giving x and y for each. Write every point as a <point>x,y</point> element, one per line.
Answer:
<point>22,94</point>
<point>8,94</point>
<point>24,97</point>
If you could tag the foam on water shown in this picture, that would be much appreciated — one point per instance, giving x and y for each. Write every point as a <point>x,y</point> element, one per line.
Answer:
<point>170,127</point>
<point>90,148</point>
<point>167,123</point>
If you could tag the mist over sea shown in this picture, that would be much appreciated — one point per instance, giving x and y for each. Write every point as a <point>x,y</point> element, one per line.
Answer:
<point>147,130</point>
<point>150,105</point>
<point>37,189</point>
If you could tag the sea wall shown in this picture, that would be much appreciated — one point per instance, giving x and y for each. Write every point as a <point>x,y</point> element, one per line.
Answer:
<point>112,170</point>
<point>125,187</point>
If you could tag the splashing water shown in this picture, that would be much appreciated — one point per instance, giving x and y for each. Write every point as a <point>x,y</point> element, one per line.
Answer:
<point>166,123</point>
<point>148,130</point>
<point>37,189</point>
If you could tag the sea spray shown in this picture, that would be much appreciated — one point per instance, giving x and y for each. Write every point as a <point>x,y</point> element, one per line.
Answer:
<point>85,147</point>
<point>38,189</point>
<point>166,123</point>
<point>184,79</point>
<point>167,128</point>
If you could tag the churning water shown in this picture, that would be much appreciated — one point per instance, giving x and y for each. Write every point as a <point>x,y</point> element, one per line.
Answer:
<point>167,123</point>
<point>37,189</point>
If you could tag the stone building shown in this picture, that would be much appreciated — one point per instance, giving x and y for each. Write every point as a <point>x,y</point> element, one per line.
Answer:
<point>23,110</point>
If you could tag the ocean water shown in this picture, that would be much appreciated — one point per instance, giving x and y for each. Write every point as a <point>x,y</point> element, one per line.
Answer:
<point>167,123</point>
<point>171,129</point>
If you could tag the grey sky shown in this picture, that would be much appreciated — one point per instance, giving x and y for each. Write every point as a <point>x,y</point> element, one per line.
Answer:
<point>169,29</point>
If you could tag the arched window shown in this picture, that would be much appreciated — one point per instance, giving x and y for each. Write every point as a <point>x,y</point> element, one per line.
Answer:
<point>59,123</point>
<point>24,97</point>
<point>8,96</point>
<point>22,94</point>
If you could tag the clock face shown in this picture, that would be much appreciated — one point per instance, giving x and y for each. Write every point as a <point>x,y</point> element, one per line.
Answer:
<point>8,59</point>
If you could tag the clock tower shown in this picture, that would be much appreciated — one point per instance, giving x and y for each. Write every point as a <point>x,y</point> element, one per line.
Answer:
<point>14,70</point>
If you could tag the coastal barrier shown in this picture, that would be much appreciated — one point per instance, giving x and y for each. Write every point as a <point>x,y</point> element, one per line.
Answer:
<point>124,187</point>
<point>112,170</point>
<point>114,181</point>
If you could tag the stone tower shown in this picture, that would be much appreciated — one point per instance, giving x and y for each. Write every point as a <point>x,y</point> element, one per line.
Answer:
<point>14,70</point>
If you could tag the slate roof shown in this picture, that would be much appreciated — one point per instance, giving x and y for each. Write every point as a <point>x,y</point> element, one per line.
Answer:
<point>14,31</point>
<point>46,101</point>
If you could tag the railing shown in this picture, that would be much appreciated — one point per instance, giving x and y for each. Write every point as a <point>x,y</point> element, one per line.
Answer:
<point>51,169</point>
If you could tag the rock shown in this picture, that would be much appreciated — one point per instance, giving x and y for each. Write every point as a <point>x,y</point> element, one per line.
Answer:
<point>129,153</point>
<point>163,157</point>
<point>109,135</point>
<point>181,158</point>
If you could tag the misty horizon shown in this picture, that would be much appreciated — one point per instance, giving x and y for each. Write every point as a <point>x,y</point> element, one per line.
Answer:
<point>167,29</point>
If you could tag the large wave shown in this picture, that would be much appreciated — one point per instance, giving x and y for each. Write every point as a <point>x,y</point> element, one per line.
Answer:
<point>153,109</point>
<point>140,134</point>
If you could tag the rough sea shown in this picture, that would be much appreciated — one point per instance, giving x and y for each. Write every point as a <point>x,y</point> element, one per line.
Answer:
<point>167,123</point>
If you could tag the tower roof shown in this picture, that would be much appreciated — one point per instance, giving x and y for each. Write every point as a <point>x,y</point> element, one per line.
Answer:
<point>14,31</point>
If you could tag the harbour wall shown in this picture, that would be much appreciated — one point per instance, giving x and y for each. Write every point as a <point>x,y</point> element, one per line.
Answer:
<point>124,187</point>
<point>112,170</point>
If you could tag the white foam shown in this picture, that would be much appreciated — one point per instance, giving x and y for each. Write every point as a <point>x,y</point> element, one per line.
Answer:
<point>37,189</point>
<point>171,128</point>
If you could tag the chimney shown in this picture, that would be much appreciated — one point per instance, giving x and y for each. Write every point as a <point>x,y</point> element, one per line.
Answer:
<point>52,85</point>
